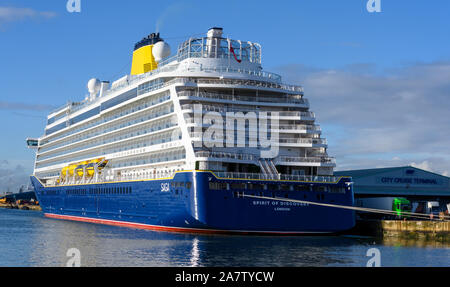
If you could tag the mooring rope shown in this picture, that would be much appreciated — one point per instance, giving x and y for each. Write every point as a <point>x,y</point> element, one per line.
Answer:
<point>364,209</point>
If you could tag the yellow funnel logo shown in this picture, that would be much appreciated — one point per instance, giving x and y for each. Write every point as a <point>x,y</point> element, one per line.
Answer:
<point>143,60</point>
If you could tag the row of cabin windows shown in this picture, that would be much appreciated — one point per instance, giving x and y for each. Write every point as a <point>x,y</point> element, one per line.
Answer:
<point>112,127</point>
<point>100,190</point>
<point>282,187</point>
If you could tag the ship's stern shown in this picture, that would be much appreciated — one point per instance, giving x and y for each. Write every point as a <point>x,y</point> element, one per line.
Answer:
<point>274,206</point>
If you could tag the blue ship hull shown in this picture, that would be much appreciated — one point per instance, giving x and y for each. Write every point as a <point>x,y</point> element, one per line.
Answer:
<point>202,202</point>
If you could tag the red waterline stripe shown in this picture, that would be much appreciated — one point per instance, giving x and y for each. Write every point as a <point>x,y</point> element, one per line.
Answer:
<point>166,228</point>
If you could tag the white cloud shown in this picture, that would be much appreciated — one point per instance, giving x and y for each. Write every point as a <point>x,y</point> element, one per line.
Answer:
<point>13,14</point>
<point>423,165</point>
<point>13,175</point>
<point>378,118</point>
<point>4,105</point>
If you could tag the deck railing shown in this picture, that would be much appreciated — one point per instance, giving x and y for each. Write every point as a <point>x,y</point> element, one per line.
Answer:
<point>303,141</point>
<point>226,155</point>
<point>260,176</point>
<point>244,82</point>
<point>300,127</point>
<point>168,66</point>
<point>218,175</point>
<point>228,97</point>
<point>212,108</point>
<point>254,158</point>
<point>288,159</point>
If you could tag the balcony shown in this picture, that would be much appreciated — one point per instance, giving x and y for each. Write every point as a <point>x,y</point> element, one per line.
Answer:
<point>223,110</point>
<point>303,141</point>
<point>253,83</point>
<point>305,161</point>
<point>250,99</point>
<point>281,160</point>
<point>296,128</point>
<point>286,177</point>
<point>225,155</point>
<point>296,142</point>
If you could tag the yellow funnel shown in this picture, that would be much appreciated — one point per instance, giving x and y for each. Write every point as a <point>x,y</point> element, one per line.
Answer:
<point>143,60</point>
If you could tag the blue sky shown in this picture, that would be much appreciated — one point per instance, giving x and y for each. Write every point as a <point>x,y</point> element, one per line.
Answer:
<point>47,55</point>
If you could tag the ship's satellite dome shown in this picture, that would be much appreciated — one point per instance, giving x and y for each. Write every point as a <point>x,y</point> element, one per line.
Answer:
<point>94,85</point>
<point>161,50</point>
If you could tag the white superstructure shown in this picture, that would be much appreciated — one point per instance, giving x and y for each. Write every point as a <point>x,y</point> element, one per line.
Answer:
<point>146,126</point>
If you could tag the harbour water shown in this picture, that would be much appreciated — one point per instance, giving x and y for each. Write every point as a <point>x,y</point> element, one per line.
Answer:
<point>29,239</point>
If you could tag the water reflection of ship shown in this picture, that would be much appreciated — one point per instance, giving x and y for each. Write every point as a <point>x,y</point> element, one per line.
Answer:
<point>113,246</point>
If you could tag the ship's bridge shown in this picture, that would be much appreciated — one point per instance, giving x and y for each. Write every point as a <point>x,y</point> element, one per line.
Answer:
<point>215,49</point>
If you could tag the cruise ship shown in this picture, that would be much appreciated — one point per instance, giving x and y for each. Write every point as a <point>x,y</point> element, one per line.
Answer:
<point>202,140</point>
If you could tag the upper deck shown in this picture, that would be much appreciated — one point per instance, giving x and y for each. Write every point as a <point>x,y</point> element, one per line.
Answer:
<point>205,57</point>
<point>215,47</point>
<point>141,124</point>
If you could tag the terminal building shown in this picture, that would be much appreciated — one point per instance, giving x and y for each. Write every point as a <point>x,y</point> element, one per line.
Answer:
<point>425,190</point>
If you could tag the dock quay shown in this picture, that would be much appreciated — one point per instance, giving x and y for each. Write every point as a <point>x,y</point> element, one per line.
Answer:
<point>21,200</point>
<point>20,206</point>
<point>404,229</point>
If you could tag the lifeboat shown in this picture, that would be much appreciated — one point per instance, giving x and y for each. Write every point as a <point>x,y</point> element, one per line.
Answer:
<point>80,168</point>
<point>90,170</point>
<point>90,167</point>
<point>86,166</point>
<point>71,169</point>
